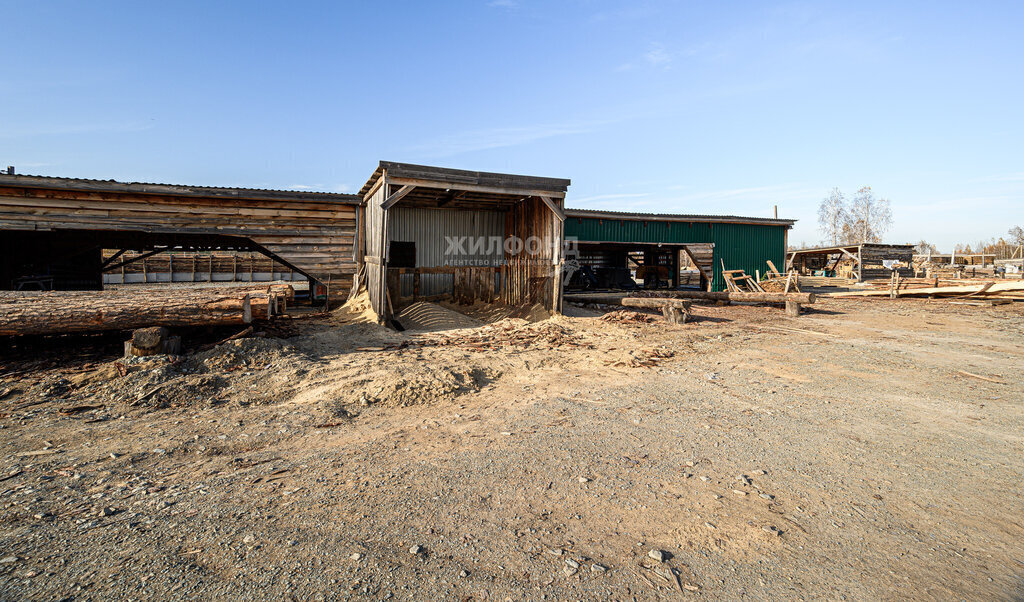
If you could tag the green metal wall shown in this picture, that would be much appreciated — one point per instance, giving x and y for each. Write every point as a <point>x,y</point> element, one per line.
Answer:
<point>740,246</point>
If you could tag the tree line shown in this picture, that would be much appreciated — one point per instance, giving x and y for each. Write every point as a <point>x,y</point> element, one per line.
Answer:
<point>1002,248</point>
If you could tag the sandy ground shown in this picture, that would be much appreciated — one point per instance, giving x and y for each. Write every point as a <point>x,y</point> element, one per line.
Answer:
<point>844,454</point>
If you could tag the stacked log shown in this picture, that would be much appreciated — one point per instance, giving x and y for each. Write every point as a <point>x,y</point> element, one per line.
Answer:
<point>58,312</point>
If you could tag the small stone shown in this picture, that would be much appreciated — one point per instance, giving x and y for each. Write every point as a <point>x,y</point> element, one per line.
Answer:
<point>690,463</point>
<point>113,456</point>
<point>583,480</point>
<point>355,556</point>
<point>738,492</point>
<point>687,475</point>
<point>555,552</point>
<point>572,563</point>
<point>760,472</point>
<point>710,526</point>
<point>417,550</point>
<point>773,530</point>
<point>743,479</point>
<point>568,570</point>
<point>598,568</point>
<point>249,539</point>
<point>767,496</point>
<point>108,511</point>
<point>8,560</point>
<point>659,555</point>
<point>463,574</point>
<point>705,478</point>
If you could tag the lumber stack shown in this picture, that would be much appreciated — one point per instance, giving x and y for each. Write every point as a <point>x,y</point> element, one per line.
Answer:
<point>58,312</point>
<point>1011,290</point>
<point>739,297</point>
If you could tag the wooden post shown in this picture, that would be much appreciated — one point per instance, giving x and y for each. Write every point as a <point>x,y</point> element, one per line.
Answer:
<point>792,309</point>
<point>170,268</point>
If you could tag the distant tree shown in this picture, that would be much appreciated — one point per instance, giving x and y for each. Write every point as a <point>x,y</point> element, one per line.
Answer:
<point>1017,235</point>
<point>870,217</point>
<point>925,248</point>
<point>833,214</point>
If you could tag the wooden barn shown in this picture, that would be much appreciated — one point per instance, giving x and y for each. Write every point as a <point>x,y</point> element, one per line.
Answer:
<point>436,233</point>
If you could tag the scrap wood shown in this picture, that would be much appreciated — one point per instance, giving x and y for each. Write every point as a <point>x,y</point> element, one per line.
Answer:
<point>980,377</point>
<point>12,475</point>
<point>625,316</point>
<point>238,335</point>
<point>77,410</point>
<point>644,358</point>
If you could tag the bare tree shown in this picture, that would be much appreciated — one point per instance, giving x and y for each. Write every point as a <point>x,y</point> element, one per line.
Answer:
<point>925,248</point>
<point>1017,235</point>
<point>832,215</point>
<point>870,217</point>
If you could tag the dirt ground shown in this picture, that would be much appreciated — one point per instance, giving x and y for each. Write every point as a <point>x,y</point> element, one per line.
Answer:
<point>845,454</point>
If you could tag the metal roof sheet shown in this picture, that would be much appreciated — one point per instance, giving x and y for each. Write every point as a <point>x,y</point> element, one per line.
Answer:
<point>676,217</point>
<point>83,184</point>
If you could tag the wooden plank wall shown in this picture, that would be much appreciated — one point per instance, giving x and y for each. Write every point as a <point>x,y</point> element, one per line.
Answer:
<point>315,236</point>
<point>374,228</point>
<point>532,278</point>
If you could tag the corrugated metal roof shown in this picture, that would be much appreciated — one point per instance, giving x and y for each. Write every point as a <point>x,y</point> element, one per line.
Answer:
<point>677,217</point>
<point>83,184</point>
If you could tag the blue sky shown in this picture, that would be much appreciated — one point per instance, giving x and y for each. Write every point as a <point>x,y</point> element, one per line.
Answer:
<point>702,107</point>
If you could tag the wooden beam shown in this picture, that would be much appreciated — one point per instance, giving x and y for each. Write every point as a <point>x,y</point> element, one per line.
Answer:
<point>134,259</point>
<point>553,206</point>
<point>452,195</point>
<point>396,196</point>
<point>474,187</point>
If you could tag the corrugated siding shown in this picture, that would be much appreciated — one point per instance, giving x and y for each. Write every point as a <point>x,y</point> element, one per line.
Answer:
<point>430,228</point>
<point>740,246</point>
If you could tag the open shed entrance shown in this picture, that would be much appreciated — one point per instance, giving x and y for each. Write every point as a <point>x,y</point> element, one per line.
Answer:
<point>444,234</point>
<point>630,266</point>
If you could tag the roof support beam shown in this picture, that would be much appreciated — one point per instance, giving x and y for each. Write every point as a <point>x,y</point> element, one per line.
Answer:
<point>452,195</point>
<point>396,196</point>
<point>511,190</point>
<point>553,206</point>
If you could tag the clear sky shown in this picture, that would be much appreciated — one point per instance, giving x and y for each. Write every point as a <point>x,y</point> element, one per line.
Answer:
<point>691,107</point>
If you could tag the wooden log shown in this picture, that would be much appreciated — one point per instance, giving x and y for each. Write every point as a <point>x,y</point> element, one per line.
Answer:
<point>792,308</point>
<point>25,313</point>
<point>757,297</point>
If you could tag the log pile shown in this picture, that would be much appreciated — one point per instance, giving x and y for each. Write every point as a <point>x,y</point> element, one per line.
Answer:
<point>59,312</point>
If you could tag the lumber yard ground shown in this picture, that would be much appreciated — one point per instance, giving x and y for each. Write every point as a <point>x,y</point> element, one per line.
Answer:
<point>870,449</point>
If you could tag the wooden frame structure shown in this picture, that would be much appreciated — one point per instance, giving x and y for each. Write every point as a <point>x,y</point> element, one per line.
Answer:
<point>866,259</point>
<point>532,211</point>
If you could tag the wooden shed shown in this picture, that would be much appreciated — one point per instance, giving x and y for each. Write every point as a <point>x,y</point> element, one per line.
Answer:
<point>53,230</point>
<point>857,261</point>
<point>437,233</point>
